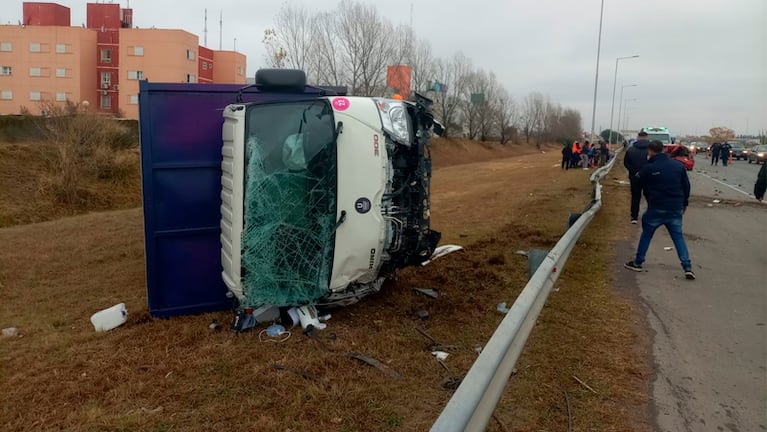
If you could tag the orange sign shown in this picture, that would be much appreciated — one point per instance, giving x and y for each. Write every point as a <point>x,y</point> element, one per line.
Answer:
<point>398,78</point>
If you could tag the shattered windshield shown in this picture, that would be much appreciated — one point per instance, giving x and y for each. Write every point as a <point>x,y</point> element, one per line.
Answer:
<point>290,202</point>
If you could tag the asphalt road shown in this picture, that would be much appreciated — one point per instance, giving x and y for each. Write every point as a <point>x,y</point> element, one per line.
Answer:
<point>710,335</point>
<point>734,181</point>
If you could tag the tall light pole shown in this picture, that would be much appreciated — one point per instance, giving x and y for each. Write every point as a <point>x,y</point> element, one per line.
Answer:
<point>596,75</point>
<point>620,104</point>
<point>612,107</point>
<point>626,112</point>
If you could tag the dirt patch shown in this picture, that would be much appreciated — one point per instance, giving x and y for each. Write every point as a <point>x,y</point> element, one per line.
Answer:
<point>163,374</point>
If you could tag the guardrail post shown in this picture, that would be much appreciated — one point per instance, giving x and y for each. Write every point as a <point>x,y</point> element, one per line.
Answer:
<point>534,259</point>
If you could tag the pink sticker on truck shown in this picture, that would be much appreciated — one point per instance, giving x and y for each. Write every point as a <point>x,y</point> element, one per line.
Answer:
<point>341,104</point>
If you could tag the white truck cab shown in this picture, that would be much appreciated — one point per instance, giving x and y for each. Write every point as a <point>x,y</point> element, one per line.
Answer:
<point>322,197</point>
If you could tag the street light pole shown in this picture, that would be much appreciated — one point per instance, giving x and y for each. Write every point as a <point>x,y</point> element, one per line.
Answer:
<point>626,112</point>
<point>620,104</point>
<point>596,75</point>
<point>612,107</point>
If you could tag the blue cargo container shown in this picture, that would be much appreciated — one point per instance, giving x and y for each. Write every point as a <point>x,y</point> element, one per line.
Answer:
<point>180,127</point>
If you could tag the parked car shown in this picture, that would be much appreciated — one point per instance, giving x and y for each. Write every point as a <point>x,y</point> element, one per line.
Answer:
<point>757,154</point>
<point>682,154</point>
<point>738,151</point>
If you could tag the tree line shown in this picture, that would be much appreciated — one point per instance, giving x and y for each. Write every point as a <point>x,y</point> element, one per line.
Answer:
<point>352,45</point>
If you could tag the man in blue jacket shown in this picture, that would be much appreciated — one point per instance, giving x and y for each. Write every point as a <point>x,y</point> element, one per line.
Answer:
<point>635,158</point>
<point>667,189</point>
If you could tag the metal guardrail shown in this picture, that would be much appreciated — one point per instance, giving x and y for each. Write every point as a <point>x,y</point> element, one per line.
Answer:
<point>474,402</point>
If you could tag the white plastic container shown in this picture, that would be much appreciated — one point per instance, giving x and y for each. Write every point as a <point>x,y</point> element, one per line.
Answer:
<point>110,318</point>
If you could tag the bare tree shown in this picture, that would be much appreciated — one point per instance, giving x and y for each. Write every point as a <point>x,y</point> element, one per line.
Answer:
<point>324,63</point>
<point>533,108</point>
<point>294,35</point>
<point>423,64</point>
<point>452,73</point>
<point>506,116</point>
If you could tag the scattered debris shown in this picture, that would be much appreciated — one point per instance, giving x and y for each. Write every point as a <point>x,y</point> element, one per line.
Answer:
<point>422,315</point>
<point>569,412</point>
<point>336,420</point>
<point>737,204</point>
<point>522,252</point>
<point>427,292</point>
<point>376,364</point>
<point>441,347</point>
<point>167,375</point>
<point>274,333</point>
<point>441,355</point>
<point>502,308</point>
<point>426,335</point>
<point>10,332</point>
<point>478,349</point>
<point>709,205</point>
<point>622,182</point>
<point>514,371</point>
<point>109,318</point>
<point>442,251</point>
<point>299,372</point>
<point>451,383</point>
<point>585,385</point>
<point>717,201</point>
<point>668,248</point>
<point>214,326</point>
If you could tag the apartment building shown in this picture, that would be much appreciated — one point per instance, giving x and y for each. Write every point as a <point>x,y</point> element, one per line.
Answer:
<point>44,59</point>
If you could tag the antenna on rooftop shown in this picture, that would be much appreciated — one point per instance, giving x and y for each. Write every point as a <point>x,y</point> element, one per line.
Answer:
<point>205,31</point>
<point>220,29</point>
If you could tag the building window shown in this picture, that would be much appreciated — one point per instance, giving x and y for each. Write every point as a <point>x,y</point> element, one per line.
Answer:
<point>34,72</point>
<point>6,46</point>
<point>191,78</point>
<point>190,54</point>
<point>34,47</point>
<point>61,48</point>
<point>61,72</point>
<point>6,95</point>
<point>106,101</point>
<point>61,97</point>
<point>204,65</point>
<point>6,70</point>
<point>135,75</point>
<point>138,51</point>
<point>106,79</point>
<point>34,95</point>
<point>106,56</point>
<point>134,99</point>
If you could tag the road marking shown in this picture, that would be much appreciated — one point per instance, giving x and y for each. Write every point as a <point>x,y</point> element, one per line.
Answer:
<point>728,185</point>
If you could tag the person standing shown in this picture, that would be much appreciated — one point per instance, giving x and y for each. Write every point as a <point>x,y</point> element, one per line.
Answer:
<point>761,183</point>
<point>576,155</point>
<point>724,153</point>
<point>567,156</point>
<point>667,188</point>
<point>635,159</point>
<point>715,153</point>
<point>585,155</point>
<point>604,153</point>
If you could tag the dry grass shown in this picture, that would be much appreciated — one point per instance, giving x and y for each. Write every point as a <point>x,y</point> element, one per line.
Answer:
<point>176,374</point>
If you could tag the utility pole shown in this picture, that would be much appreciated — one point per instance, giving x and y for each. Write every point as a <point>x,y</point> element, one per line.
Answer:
<point>596,75</point>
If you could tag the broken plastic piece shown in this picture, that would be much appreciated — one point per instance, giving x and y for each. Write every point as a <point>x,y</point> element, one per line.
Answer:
<point>442,251</point>
<point>10,332</point>
<point>502,308</point>
<point>427,292</point>
<point>441,355</point>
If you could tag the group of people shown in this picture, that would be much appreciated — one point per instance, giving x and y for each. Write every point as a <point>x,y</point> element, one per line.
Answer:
<point>585,156</point>
<point>720,151</point>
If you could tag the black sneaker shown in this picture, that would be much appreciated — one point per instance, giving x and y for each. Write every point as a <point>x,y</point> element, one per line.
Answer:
<point>688,274</point>
<point>631,265</point>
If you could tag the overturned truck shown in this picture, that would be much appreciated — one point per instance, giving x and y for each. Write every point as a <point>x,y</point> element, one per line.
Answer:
<point>320,197</point>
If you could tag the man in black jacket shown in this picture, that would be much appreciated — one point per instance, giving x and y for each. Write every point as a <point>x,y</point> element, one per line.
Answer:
<point>636,158</point>
<point>667,189</point>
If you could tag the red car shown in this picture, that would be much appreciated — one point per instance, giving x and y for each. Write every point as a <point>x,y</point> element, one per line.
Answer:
<point>682,154</point>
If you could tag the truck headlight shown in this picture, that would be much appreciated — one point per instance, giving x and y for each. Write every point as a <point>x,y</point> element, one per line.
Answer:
<point>394,119</point>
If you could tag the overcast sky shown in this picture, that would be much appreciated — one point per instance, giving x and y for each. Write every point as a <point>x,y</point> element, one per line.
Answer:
<point>702,62</point>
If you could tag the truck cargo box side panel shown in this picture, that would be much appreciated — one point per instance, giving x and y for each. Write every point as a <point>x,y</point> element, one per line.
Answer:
<point>180,128</point>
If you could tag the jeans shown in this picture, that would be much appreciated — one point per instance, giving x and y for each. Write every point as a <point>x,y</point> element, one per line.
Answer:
<point>585,160</point>
<point>636,197</point>
<point>672,219</point>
